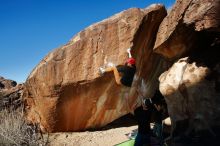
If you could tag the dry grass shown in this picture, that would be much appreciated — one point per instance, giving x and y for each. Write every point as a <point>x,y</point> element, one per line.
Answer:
<point>15,131</point>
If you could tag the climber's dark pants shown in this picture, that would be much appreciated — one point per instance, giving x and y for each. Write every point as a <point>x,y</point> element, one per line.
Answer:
<point>142,140</point>
<point>143,118</point>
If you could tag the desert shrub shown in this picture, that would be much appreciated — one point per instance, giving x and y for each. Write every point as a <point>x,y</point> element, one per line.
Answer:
<point>15,131</point>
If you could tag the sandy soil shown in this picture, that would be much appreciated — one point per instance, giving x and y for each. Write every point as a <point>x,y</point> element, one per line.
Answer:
<point>110,135</point>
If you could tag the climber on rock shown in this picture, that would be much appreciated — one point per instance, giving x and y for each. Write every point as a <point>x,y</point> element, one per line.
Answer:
<point>123,74</point>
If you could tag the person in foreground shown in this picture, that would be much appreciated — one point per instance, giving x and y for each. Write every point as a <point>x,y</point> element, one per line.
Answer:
<point>152,110</point>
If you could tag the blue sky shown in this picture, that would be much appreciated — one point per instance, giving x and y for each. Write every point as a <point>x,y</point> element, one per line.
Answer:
<point>30,29</point>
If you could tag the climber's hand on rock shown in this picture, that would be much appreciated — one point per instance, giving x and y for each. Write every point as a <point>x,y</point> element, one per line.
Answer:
<point>102,70</point>
<point>129,50</point>
<point>110,64</point>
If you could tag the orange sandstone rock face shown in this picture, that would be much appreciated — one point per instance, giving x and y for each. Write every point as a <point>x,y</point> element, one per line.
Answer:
<point>65,91</point>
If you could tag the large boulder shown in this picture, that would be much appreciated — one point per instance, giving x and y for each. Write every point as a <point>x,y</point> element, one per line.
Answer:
<point>192,93</point>
<point>177,32</point>
<point>191,86</point>
<point>65,91</point>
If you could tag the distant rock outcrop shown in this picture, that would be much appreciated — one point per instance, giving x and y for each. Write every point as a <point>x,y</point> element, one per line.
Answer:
<point>190,37</point>
<point>10,94</point>
<point>65,91</point>
<point>6,84</point>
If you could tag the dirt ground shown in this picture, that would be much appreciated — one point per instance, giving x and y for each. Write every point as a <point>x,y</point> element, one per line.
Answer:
<point>110,135</point>
<point>95,138</point>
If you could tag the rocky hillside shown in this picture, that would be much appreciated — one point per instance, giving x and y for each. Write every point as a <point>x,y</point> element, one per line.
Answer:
<point>177,53</point>
<point>10,94</point>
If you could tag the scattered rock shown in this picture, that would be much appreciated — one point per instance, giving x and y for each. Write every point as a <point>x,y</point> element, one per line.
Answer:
<point>6,84</point>
<point>10,94</point>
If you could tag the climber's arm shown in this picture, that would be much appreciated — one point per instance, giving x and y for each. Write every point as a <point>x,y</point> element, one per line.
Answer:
<point>129,52</point>
<point>116,74</point>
